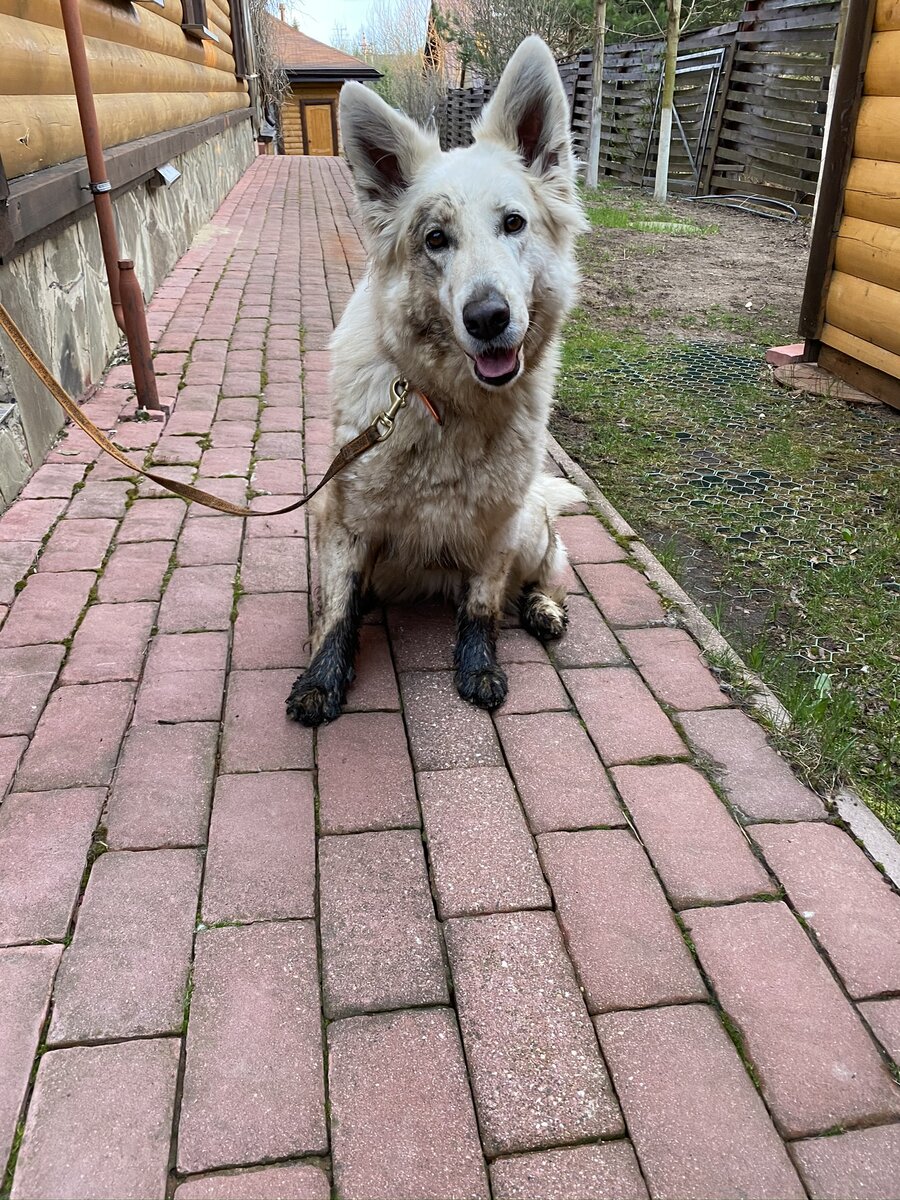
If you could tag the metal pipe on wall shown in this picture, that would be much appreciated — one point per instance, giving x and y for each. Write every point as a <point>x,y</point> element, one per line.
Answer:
<point>124,290</point>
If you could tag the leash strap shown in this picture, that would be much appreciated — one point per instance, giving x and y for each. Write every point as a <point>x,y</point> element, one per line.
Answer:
<point>378,431</point>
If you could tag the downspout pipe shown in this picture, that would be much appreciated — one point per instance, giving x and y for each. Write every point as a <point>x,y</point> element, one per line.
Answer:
<point>130,316</point>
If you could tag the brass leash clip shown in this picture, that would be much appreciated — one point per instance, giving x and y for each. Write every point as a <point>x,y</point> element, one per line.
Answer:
<point>385,420</point>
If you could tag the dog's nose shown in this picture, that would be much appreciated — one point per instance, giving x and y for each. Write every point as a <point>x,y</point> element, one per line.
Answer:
<point>485,317</point>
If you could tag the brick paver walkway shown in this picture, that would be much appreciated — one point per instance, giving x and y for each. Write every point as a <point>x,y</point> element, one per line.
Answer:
<point>603,945</point>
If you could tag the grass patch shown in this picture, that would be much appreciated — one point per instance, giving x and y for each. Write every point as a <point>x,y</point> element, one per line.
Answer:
<point>608,212</point>
<point>778,514</point>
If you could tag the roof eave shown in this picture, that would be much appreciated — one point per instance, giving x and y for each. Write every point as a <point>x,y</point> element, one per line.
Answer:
<point>329,74</point>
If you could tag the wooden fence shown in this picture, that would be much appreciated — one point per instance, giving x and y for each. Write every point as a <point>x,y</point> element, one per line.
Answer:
<point>751,97</point>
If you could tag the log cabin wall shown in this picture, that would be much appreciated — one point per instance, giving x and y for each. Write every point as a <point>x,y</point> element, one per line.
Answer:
<point>291,127</point>
<point>862,301</point>
<point>148,76</point>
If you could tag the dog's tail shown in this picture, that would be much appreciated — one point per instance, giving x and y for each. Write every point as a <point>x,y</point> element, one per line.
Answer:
<point>559,495</point>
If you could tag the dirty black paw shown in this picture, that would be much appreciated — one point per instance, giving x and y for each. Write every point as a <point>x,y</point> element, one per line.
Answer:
<point>485,687</point>
<point>542,616</point>
<point>312,704</point>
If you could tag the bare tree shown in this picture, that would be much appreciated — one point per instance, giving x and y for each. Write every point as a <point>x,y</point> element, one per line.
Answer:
<point>394,37</point>
<point>273,82</point>
<point>592,170</point>
<point>488,31</point>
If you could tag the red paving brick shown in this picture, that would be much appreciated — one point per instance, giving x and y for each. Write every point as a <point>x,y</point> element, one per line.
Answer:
<point>534,688</point>
<point>296,1181</point>
<point>44,842</point>
<point>109,644</point>
<point>47,609</point>
<point>423,637</point>
<point>375,685</point>
<point>409,1063</point>
<point>261,863</point>
<point>101,499</point>
<point>152,521</point>
<point>272,631</point>
<point>163,786</point>
<point>255,988</point>
<point>445,731</point>
<point>670,662</point>
<point>558,775</point>
<point>624,721</point>
<point>482,855</point>
<point>623,595</point>
<point>135,572</point>
<point>587,541</point>
<point>699,1127</point>
<point>536,1072</point>
<point>15,564</point>
<point>817,1065</point>
<point>274,564</point>
<point>883,1017</point>
<point>588,640</point>
<point>77,545</point>
<point>754,777</point>
<point>100,1122</point>
<point>126,971</point>
<point>380,943</point>
<point>11,750</point>
<point>701,854</point>
<point>208,543</point>
<point>197,599</point>
<point>100,713</point>
<point>27,674</point>
<point>30,520</point>
<point>173,696</point>
<point>849,905</point>
<point>26,980</point>
<point>627,949</point>
<point>257,734</point>
<point>365,774</point>
<point>595,1171</point>
<point>861,1165</point>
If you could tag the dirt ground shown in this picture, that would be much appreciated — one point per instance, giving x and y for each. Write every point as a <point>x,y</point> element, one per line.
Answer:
<point>747,260</point>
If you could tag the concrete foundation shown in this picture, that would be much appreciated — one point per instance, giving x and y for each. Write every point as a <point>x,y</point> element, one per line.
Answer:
<point>57,293</point>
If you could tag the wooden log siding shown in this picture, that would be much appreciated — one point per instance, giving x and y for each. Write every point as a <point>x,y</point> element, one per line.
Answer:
<point>862,303</point>
<point>148,77</point>
<point>770,106</point>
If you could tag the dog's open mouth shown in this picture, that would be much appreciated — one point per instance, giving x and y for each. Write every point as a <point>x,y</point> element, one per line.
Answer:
<point>497,367</point>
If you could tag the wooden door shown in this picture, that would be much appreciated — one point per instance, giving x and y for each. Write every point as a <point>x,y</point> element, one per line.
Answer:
<point>319,121</point>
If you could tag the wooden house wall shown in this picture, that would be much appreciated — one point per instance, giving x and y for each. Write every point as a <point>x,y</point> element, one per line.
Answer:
<point>290,110</point>
<point>148,76</point>
<point>862,308</point>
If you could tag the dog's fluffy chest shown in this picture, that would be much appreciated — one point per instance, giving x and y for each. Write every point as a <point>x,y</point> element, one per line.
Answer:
<point>440,493</point>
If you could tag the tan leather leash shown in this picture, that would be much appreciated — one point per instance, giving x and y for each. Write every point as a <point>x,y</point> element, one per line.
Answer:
<point>379,431</point>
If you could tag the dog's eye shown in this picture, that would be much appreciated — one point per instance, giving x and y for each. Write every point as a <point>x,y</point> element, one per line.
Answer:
<point>436,239</point>
<point>513,223</point>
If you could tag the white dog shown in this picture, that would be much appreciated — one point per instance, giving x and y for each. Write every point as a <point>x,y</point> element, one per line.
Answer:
<point>471,273</point>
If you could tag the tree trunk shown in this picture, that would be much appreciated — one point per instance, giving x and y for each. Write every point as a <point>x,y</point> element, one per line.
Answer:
<point>593,158</point>
<point>673,23</point>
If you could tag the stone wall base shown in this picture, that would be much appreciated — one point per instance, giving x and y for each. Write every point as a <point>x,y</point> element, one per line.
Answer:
<point>57,293</point>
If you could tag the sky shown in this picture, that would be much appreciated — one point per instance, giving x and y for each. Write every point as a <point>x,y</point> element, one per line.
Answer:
<point>319,17</point>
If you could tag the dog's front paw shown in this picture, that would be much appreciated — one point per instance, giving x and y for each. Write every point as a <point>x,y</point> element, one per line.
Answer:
<point>485,688</point>
<point>543,617</point>
<point>312,704</point>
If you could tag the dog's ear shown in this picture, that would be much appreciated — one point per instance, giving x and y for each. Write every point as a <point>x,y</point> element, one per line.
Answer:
<point>529,112</point>
<point>384,147</point>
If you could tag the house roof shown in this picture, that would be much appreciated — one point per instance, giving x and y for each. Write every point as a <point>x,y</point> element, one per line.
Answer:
<point>303,57</point>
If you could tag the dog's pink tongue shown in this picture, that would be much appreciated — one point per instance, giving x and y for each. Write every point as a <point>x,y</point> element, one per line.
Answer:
<point>501,362</point>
